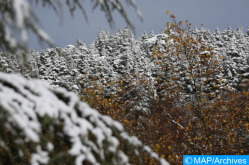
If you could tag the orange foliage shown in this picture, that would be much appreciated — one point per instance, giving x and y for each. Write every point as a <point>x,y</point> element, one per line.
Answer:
<point>214,124</point>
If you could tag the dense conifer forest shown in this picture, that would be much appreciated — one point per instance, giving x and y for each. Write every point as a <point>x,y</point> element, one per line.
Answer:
<point>184,91</point>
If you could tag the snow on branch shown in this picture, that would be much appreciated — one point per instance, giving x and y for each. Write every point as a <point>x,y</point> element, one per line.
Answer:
<point>44,123</point>
<point>16,18</point>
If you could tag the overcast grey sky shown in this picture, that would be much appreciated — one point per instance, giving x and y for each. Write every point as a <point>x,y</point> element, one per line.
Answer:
<point>211,13</point>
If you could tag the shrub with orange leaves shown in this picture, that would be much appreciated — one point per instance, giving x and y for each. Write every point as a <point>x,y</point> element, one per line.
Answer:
<point>190,112</point>
<point>189,107</point>
<point>194,114</point>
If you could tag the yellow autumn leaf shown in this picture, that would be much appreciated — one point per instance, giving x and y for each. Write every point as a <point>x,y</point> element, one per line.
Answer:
<point>222,57</point>
<point>201,24</point>
<point>169,147</point>
<point>126,121</point>
<point>167,12</point>
<point>167,24</point>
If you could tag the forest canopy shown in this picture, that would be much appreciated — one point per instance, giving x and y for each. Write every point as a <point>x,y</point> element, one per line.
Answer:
<point>181,92</point>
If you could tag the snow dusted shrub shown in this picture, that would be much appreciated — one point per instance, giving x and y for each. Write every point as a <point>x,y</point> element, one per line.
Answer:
<point>43,125</point>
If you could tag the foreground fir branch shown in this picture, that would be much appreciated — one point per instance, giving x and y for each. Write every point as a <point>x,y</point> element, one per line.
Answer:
<point>17,17</point>
<point>43,125</point>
